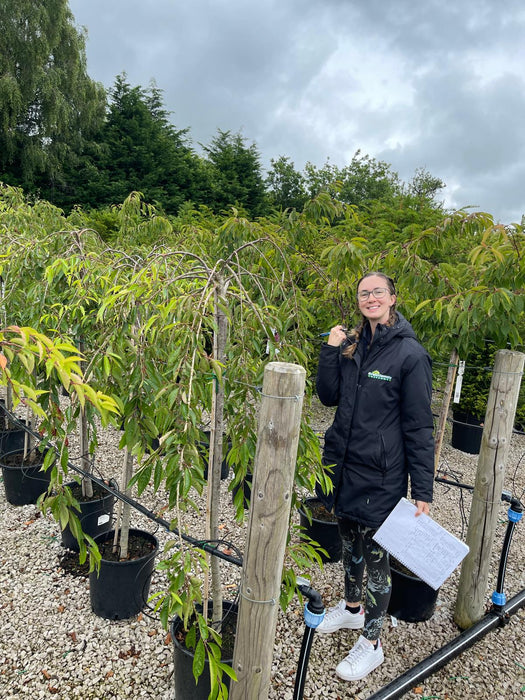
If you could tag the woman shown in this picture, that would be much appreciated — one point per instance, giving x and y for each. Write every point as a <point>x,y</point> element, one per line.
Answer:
<point>380,379</point>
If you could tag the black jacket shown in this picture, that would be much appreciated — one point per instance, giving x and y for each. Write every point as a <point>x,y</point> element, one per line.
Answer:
<point>382,430</point>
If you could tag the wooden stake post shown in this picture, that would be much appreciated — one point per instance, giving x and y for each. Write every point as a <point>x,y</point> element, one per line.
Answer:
<point>277,440</point>
<point>486,499</point>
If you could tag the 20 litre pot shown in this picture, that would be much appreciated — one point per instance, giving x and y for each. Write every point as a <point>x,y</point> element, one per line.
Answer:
<point>467,432</point>
<point>121,588</point>
<point>24,479</point>
<point>95,514</point>
<point>11,438</point>
<point>323,528</point>
<point>185,686</point>
<point>412,599</point>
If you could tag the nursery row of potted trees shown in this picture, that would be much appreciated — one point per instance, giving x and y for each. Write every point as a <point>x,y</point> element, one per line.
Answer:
<point>178,341</point>
<point>177,335</point>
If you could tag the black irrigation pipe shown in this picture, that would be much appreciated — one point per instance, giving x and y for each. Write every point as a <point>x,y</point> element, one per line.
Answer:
<point>499,614</point>
<point>441,480</point>
<point>440,658</point>
<point>201,544</point>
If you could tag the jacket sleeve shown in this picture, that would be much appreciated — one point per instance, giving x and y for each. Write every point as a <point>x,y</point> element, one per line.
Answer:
<point>417,424</point>
<point>328,375</point>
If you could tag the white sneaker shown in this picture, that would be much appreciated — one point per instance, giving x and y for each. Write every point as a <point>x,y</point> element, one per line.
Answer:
<point>361,659</point>
<point>339,617</point>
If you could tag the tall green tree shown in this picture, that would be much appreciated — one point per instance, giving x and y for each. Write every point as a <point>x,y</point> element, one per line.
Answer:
<point>425,187</point>
<point>49,107</point>
<point>235,174</point>
<point>363,180</point>
<point>139,149</point>
<point>286,186</point>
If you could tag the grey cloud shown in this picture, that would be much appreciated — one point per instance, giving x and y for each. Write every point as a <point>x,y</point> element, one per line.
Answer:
<point>434,84</point>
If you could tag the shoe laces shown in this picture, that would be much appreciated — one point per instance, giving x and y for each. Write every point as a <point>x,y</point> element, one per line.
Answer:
<point>357,652</point>
<point>336,611</point>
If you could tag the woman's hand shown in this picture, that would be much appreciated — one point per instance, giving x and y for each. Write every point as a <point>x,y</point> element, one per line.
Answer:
<point>337,336</point>
<point>422,507</point>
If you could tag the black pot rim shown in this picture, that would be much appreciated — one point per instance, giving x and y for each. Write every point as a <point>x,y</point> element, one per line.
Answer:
<point>314,499</point>
<point>132,531</point>
<point>188,652</point>
<point>20,467</point>
<point>465,418</point>
<point>73,484</point>
<point>410,577</point>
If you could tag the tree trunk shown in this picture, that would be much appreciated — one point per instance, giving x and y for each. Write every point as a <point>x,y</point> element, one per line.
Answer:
<point>126,508</point>
<point>220,337</point>
<point>440,432</point>
<point>87,484</point>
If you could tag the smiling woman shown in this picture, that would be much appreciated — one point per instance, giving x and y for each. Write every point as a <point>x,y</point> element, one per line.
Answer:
<point>380,378</point>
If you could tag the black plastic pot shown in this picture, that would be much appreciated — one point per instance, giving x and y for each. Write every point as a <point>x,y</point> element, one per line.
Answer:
<point>96,516</point>
<point>121,588</point>
<point>204,448</point>
<point>412,599</point>
<point>185,686</point>
<point>24,481</point>
<point>324,531</point>
<point>466,433</point>
<point>12,440</point>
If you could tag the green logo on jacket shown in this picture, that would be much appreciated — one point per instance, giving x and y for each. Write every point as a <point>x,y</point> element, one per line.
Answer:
<point>376,374</point>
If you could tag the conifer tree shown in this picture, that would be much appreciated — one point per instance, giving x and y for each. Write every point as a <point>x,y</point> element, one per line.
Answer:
<point>139,149</point>
<point>235,174</point>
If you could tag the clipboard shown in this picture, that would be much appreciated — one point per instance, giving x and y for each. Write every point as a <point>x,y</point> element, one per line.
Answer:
<point>421,544</point>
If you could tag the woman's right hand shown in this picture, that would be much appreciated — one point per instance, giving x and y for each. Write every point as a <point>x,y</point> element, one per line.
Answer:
<point>337,336</point>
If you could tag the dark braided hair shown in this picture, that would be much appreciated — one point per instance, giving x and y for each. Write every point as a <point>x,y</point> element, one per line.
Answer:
<point>355,334</point>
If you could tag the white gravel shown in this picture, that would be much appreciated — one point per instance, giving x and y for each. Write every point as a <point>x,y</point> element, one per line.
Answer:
<point>53,646</point>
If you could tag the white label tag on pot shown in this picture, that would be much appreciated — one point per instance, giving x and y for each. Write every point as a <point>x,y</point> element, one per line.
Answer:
<point>103,519</point>
<point>459,382</point>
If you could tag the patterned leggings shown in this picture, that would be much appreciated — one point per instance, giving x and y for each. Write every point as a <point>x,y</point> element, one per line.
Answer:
<point>359,549</point>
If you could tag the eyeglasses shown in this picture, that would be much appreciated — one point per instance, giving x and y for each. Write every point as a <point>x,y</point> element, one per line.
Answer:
<point>378,292</point>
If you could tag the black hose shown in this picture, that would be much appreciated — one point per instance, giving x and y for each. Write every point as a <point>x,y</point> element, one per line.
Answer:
<point>440,658</point>
<point>302,666</point>
<point>504,556</point>
<point>315,602</point>
<point>514,514</point>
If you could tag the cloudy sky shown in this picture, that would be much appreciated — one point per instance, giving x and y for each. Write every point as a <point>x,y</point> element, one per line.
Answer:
<point>420,84</point>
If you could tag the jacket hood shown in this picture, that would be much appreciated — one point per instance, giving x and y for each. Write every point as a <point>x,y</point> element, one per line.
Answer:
<point>384,334</point>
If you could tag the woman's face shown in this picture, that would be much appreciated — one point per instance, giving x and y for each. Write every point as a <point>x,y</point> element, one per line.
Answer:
<point>375,310</point>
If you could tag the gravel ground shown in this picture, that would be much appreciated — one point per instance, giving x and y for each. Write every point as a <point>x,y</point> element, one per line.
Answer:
<point>53,646</point>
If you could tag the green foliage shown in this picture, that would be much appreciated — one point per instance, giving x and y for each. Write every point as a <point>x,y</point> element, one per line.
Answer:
<point>364,180</point>
<point>476,382</point>
<point>149,311</point>
<point>476,385</point>
<point>137,149</point>
<point>32,367</point>
<point>285,185</point>
<point>235,174</point>
<point>49,107</point>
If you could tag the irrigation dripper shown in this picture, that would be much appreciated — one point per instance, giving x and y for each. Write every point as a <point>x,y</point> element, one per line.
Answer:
<point>313,616</point>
